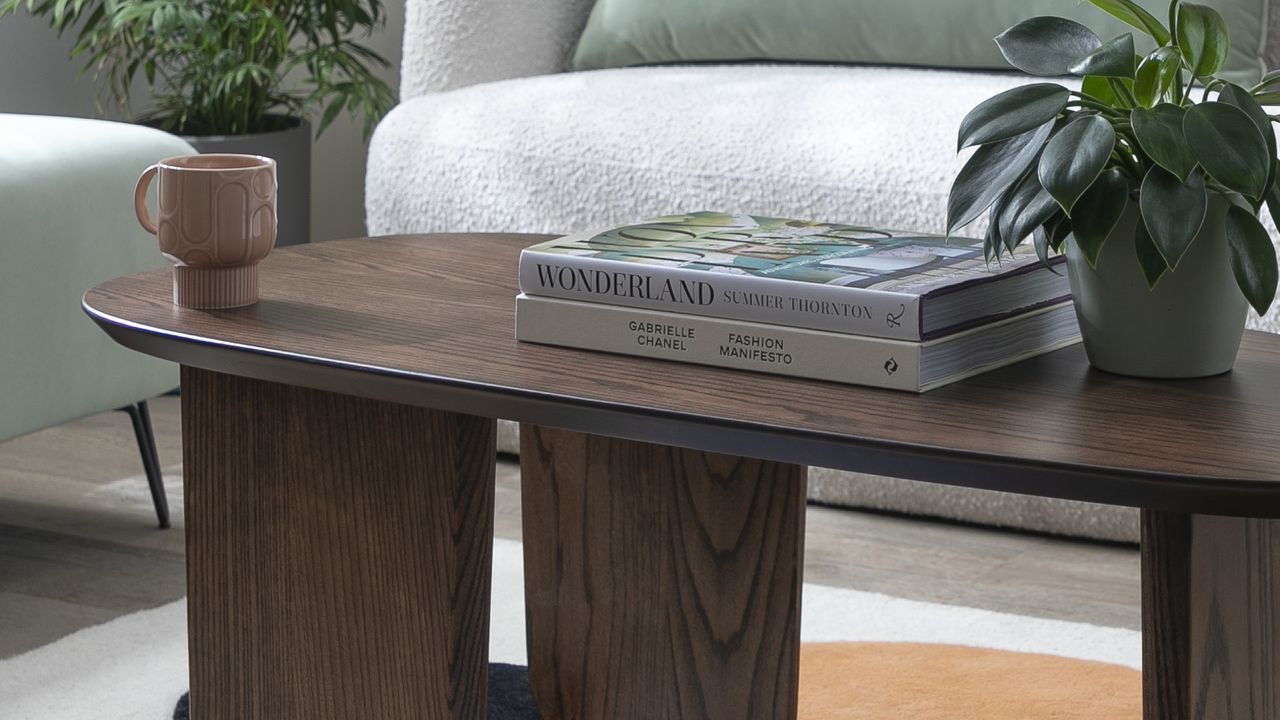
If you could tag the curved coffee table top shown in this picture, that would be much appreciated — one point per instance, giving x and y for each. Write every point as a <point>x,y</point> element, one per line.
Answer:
<point>429,320</point>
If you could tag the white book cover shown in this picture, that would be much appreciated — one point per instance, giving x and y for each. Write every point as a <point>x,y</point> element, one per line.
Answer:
<point>797,352</point>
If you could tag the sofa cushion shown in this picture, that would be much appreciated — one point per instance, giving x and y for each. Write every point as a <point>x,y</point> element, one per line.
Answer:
<point>956,33</point>
<point>569,151</point>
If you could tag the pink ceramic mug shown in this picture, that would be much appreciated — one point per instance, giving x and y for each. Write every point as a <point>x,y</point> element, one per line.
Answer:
<point>216,221</point>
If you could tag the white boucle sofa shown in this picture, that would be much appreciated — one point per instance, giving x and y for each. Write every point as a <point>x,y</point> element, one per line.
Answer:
<point>491,135</point>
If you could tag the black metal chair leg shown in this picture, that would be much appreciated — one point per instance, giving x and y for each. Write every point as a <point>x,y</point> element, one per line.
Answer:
<point>140,415</point>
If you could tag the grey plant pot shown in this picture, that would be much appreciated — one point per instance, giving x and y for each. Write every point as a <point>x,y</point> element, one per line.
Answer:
<point>1190,325</point>
<point>291,150</point>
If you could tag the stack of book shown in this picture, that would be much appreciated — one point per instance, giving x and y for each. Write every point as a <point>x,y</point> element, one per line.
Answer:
<point>849,304</point>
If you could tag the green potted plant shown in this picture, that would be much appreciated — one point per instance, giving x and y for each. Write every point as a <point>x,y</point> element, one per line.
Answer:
<point>1150,178</point>
<point>234,75</point>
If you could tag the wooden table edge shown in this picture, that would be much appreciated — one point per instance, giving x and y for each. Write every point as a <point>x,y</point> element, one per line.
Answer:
<point>1098,484</point>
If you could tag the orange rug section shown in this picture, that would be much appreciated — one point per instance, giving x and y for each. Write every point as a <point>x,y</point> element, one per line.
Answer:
<point>911,681</point>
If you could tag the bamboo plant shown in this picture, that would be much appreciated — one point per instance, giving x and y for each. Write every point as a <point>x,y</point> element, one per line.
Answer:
<point>229,67</point>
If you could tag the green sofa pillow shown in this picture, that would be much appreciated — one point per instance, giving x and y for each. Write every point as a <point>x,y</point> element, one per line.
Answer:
<point>933,33</point>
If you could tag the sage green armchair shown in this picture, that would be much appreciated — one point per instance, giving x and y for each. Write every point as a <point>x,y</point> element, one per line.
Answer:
<point>67,224</point>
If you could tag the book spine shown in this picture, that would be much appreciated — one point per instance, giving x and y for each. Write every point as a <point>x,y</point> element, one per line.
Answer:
<point>831,308</point>
<point>723,343</point>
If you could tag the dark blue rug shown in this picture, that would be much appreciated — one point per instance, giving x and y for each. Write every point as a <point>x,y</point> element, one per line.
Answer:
<point>509,697</point>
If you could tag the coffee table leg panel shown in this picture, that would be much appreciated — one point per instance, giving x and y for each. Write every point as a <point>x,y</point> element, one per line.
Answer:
<point>1210,617</point>
<point>660,583</point>
<point>338,554</point>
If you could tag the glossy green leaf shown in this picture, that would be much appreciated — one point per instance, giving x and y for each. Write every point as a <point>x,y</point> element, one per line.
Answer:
<point>1098,212</point>
<point>1026,207</point>
<point>1228,146</point>
<point>1156,74</point>
<point>1059,232</point>
<point>1040,240</point>
<point>1173,211</point>
<point>991,247</point>
<point>1202,36</point>
<point>1273,203</point>
<point>1134,15</point>
<point>1237,96</point>
<point>1046,45</point>
<point>1012,112</point>
<point>1114,59</point>
<point>1159,133</point>
<point>1043,242</point>
<point>1253,258</point>
<point>1146,83</point>
<point>1271,78</point>
<point>990,172</point>
<point>1073,159</point>
<point>1119,92</point>
<point>1272,196</point>
<point>993,236</point>
<point>1270,98</point>
<point>1149,257</point>
<point>1099,89</point>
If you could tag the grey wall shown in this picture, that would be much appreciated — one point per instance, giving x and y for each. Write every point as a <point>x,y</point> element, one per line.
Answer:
<point>338,157</point>
<point>37,77</point>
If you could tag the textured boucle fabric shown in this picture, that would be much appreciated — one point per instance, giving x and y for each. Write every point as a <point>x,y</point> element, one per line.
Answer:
<point>986,507</point>
<point>569,151</point>
<point>454,43</point>
<point>566,152</point>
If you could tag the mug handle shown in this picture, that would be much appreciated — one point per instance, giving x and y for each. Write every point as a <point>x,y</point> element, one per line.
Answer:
<point>140,199</point>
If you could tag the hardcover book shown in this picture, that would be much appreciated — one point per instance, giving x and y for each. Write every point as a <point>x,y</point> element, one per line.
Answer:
<point>838,278</point>
<point>797,352</point>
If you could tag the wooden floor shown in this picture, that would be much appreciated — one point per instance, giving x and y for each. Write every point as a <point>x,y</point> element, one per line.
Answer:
<point>79,546</point>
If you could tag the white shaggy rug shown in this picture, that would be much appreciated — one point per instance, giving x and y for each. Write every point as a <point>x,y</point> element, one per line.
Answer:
<point>135,667</point>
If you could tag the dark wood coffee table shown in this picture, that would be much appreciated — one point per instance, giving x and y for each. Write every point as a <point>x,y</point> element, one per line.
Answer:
<point>338,450</point>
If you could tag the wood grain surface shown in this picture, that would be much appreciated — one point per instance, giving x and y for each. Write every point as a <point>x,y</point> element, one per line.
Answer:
<point>428,320</point>
<point>660,583</point>
<point>1166,614</point>
<point>338,554</point>
<point>1211,617</point>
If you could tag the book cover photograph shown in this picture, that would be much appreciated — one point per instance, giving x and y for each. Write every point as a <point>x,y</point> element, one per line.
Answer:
<point>799,250</point>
